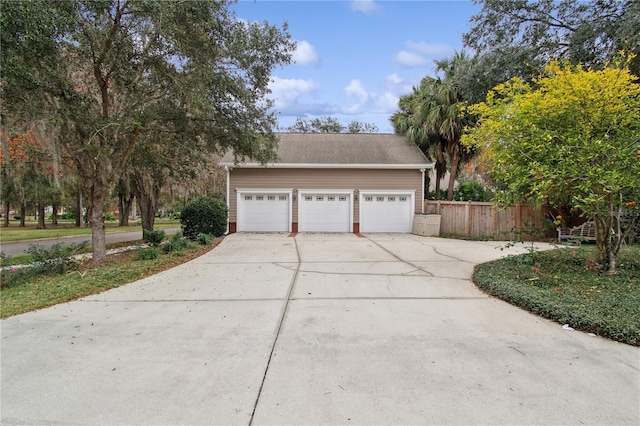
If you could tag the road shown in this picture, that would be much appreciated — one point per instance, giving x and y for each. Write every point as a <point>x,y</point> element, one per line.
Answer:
<point>18,248</point>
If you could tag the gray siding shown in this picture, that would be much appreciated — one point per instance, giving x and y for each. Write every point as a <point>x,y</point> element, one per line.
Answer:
<point>301,179</point>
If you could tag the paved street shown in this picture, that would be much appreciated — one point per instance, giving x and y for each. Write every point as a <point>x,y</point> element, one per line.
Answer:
<point>18,248</point>
<point>313,329</point>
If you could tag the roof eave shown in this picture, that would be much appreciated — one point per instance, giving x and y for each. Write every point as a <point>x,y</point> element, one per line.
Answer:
<point>328,166</point>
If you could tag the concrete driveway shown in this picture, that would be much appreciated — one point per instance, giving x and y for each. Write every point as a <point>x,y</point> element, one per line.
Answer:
<point>316,329</point>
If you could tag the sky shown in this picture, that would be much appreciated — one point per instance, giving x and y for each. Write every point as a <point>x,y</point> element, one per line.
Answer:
<point>354,59</point>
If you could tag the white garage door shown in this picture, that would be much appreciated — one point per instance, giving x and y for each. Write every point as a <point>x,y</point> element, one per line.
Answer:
<point>386,212</point>
<point>264,212</point>
<point>324,212</point>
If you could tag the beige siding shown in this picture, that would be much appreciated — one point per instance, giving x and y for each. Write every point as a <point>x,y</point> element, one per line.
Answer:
<point>302,179</point>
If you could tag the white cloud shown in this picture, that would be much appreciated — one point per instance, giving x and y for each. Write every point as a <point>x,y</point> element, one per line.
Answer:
<point>356,89</point>
<point>394,79</point>
<point>285,91</point>
<point>367,101</point>
<point>397,85</point>
<point>419,54</point>
<point>305,54</point>
<point>410,59</point>
<point>387,103</point>
<point>364,6</point>
<point>424,48</point>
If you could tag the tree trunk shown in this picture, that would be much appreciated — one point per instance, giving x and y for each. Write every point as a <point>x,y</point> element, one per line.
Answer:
<point>124,208</point>
<point>54,214</point>
<point>147,192</point>
<point>7,210</point>
<point>41,224</point>
<point>606,253</point>
<point>98,236</point>
<point>441,168</point>
<point>96,181</point>
<point>437,187</point>
<point>23,214</point>
<point>453,175</point>
<point>79,221</point>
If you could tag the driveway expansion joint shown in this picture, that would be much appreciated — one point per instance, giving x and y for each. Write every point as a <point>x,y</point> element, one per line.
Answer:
<point>278,330</point>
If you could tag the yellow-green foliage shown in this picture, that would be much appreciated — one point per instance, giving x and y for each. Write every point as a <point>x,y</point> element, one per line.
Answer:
<point>571,138</point>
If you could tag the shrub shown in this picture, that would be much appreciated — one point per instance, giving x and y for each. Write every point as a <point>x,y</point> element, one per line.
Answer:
<point>153,238</point>
<point>56,259</point>
<point>205,239</point>
<point>177,245</point>
<point>148,253</point>
<point>204,215</point>
<point>110,217</point>
<point>472,190</point>
<point>67,216</point>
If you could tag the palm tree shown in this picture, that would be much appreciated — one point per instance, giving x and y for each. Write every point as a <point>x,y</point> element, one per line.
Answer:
<point>434,115</point>
<point>410,122</point>
<point>449,116</point>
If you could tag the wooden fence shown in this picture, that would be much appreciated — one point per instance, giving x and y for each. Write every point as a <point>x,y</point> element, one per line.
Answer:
<point>485,220</point>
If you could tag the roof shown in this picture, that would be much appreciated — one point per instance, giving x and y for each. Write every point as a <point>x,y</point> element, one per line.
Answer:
<point>341,150</point>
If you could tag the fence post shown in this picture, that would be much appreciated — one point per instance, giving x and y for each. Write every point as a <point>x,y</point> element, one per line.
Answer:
<point>494,220</point>
<point>467,213</point>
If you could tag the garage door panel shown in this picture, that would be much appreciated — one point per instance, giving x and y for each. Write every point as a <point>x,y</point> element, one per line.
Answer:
<point>258,212</point>
<point>386,212</point>
<point>324,213</point>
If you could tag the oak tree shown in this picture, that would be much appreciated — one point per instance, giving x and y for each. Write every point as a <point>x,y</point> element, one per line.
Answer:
<point>109,72</point>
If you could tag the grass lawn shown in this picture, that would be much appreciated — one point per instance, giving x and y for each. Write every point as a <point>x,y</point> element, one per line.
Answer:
<point>36,291</point>
<point>67,228</point>
<point>565,285</point>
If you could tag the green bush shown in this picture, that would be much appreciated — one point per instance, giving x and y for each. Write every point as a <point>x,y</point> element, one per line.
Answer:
<point>110,217</point>
<point>431,195</point>
<point>67,216</point>
<point>148,253</point>
<point>472,190</point>
<point>205,239</point>
<point>178,246</point>
<point>153,238</point>
<point>204,215</point>
<point>56,259</point>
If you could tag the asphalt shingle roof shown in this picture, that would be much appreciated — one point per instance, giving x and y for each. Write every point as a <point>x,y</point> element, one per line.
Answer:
<point>344,149</point>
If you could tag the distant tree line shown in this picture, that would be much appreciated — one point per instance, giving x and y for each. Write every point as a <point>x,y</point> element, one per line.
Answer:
<point>327,124</point>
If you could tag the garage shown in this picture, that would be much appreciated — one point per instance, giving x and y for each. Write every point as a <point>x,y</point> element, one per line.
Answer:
<point>325,212</point>
<point>328,182</point>
<point>382,211</point>
<point>264,211</point>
